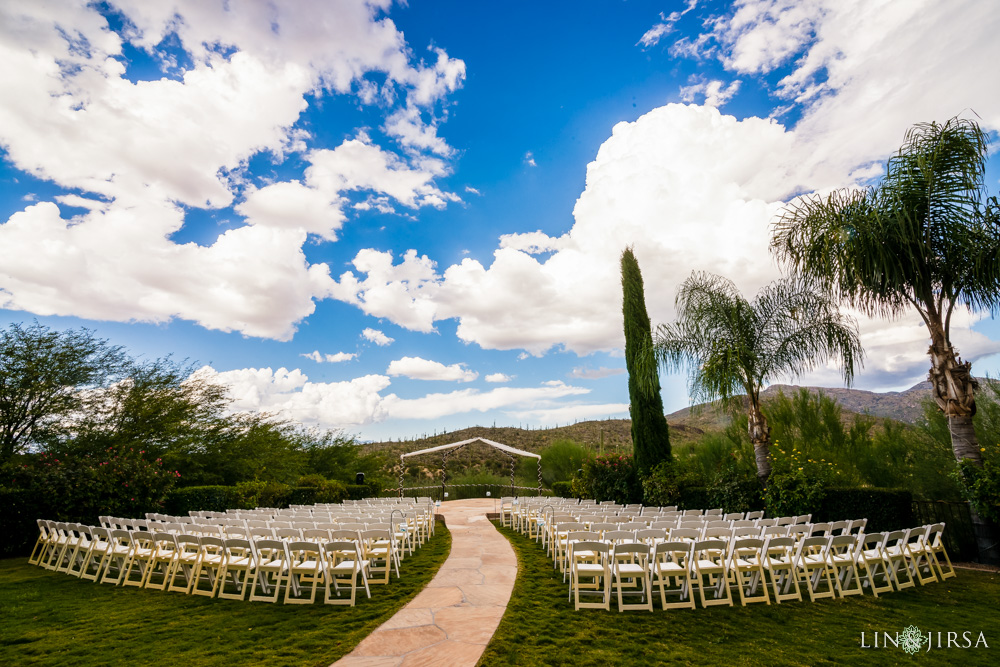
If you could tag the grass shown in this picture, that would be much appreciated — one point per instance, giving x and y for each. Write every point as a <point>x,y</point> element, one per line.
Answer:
<point>541,627</point>
<point>49,618</point>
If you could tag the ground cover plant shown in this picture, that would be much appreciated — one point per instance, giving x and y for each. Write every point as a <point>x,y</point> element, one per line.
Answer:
<point>50,618</point>
<point>541,627</point>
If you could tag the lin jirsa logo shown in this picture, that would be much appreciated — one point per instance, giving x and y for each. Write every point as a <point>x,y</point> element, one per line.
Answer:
<point>912,640</point>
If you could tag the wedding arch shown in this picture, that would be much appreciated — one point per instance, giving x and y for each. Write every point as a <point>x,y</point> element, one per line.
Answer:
<point>447,450</point>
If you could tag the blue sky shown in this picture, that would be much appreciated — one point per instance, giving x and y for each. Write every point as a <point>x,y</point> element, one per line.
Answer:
<point>397,219</point>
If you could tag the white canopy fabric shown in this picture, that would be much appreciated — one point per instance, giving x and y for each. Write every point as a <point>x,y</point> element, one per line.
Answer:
<point>441,448</point>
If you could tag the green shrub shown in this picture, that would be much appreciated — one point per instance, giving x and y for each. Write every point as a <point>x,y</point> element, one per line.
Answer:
<point>797,484</point>
<point>668,483</point>
<point>735,489</point>
<point>260,493</point>
<point>885,509</point>
<point>981,485</point>
<point>694,498</point>
<point>562,489</point>
<point>18,521</point>
<point>559,462</point>
<point>612,477</point>
<point>180,502</point>
<point>122,482</point>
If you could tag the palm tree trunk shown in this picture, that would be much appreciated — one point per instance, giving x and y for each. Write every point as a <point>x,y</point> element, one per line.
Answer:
<point>760,437</point>
<point>954,391</point>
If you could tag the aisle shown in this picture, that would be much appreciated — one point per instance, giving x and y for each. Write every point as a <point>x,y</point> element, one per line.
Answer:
<point>451,621</point>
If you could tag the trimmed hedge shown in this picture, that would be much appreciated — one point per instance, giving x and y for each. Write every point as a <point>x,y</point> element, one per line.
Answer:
<point>222,498</point>
<point>885,509</point>
<point>562,489</point>
<point>21,509</point>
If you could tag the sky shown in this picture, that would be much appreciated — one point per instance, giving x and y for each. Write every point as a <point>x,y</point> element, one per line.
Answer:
<point>399,219</point>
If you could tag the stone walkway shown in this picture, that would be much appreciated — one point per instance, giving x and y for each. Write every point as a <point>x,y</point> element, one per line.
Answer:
<point>451,621</point>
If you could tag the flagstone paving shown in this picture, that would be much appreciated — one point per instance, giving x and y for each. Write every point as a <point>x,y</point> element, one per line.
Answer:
<point>452,620</point>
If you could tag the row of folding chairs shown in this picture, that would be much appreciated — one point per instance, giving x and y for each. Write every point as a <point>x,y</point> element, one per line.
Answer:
<point>742,527</point>
<point>759,570</point>
<point>230,568</point>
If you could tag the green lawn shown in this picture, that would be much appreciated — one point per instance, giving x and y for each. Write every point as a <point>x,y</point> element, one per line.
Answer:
<point>542,628</point>
<point>48,618</point>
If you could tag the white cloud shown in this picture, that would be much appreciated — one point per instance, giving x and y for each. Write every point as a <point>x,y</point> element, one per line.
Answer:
<point>359,402</point>
<point>472,191</point>
<point>587,373</point>
<point>713,92</point>
<point>358,164</point>
<point>295,206</point>
<point>653,36</point>
<point>532,243</point>
<point>417,368</point>
<point>401,292</point>
<point>498,378</point>
<point>71,113</point>
<point>529,158</point>
<point>290,394</point>
<point>377,337</point>
<point>319,358</point>
<point>435,406</point>
<point>102,265</point>
<point>571,413</point>
<point>694,189</point>
<point>412,132</point>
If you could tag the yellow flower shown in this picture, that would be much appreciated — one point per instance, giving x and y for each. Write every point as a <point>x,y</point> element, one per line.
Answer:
<point>982,449</point>
<point>800,468</point>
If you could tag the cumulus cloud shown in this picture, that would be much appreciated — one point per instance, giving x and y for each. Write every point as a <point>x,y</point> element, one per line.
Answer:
<point>102,265</point>
<point>498,378</point>
<point>694,189</point>
<point>289,393</point>
<point>572,413</point>
<point>140,154</point>
<point>360,402</point>
<point>435,406</point>
<point>319,358</point>
<point>715,92</point>
<point>377,337</point>
<point>586,373</point>
<point>417,368</point>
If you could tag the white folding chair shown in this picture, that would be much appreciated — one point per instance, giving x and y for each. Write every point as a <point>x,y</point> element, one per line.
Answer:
<point>897,558</point>
<point>711,572</point>
<point>589,560</point>
<point>631,574</point>
<point>344,566</point>
<point>746,565</point>
<point>779,562</point>
<point>814,569</point>
<point>871,562</point>
<point>222,559</point>
<point>272,561</point>
<point>672,573</point>
<point>139,556</point>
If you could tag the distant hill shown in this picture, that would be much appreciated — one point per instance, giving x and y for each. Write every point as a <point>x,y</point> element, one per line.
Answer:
<point>905,406</point>
<point>686,424</point>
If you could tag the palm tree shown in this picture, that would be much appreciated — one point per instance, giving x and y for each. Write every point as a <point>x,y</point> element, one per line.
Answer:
<point>733,347</point>
<point>925,237</point>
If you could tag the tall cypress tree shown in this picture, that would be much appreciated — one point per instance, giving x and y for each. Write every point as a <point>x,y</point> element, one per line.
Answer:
<point>650,437</point>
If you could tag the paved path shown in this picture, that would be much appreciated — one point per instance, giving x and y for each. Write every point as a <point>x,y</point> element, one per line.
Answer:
<point>451,621</point>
